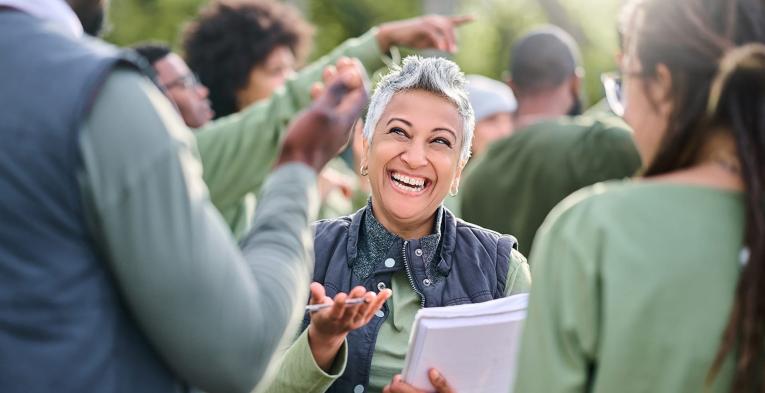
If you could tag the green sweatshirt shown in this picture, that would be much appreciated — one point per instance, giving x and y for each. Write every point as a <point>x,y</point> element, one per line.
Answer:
<point>633,286</point>
<point>513,186</point>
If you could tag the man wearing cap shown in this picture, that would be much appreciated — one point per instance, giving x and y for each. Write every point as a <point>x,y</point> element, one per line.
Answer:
<point>554,152</point>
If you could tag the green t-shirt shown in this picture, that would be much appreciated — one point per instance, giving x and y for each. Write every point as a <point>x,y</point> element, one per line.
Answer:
<point>633,286</point>
<point>516,183</point>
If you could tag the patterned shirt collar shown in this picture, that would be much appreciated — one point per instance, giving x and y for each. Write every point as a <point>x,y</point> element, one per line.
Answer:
<point>375,242</point>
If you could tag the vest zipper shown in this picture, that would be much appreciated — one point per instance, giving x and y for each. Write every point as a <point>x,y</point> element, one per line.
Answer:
<point>409,275</point>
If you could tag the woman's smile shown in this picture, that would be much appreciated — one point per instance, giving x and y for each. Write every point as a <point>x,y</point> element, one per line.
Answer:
<point>408,184</point>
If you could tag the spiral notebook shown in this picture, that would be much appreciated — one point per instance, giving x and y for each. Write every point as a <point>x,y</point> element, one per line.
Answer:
<point>475,346</point>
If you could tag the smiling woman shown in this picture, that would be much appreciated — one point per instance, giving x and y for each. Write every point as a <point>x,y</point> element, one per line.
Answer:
<point>414,157</point>
<point>413,161</point>
<point>416,141</point>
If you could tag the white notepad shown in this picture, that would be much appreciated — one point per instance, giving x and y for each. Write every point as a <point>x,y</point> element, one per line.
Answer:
<point>475,346</point>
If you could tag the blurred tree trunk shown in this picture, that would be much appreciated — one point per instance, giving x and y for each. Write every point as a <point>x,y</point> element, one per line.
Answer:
<point>558,16</point>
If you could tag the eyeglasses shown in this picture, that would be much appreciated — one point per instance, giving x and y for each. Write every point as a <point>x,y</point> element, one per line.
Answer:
<point>612,83</point>
<point>188,81</point>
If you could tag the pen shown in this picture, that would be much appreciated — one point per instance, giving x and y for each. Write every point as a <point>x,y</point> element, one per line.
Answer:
<point>317,307</point>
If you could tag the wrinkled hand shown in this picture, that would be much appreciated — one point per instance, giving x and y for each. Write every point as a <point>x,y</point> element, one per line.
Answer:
<point>397,385</point>
<point>340,319</point>
<point>426,32</point>
<point>323,130</point>
<point>330,326</point>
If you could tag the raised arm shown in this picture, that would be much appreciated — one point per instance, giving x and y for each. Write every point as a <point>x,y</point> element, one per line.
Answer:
<point>215,314</point>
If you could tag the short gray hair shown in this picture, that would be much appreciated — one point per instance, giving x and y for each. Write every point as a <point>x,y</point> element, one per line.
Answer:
<point>432,74</point>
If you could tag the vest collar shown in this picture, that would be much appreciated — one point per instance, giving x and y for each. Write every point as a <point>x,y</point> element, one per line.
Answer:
<point>446,232</point>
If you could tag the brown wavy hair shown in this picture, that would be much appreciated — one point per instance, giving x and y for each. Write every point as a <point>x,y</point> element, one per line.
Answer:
<point>715,54</point>
<point>231,37</point>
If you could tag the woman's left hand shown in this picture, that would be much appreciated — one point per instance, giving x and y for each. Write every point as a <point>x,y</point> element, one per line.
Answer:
<point>397,385</point>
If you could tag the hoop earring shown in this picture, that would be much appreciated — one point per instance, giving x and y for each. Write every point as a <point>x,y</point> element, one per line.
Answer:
<point>453,193</point>
<point>363,170</point>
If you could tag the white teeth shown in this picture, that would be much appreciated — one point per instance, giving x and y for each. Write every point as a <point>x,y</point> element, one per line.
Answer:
<point>407,188</point>
<point>407,183</point>
<point>410,181</point>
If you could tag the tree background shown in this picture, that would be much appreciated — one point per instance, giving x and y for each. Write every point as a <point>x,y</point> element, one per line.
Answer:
<point>484,44</point>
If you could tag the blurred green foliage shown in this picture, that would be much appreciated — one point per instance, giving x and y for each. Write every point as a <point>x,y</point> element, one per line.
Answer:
<point>484,44</point>
<point>131,21</point>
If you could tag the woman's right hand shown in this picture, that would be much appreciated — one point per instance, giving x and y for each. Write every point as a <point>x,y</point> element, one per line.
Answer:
<point>330,326</point>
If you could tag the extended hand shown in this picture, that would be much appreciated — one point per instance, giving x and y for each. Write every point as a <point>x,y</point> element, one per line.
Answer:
<point>330,73</point>
<point>426,32</point>
<point>397,385</point>
<point>329,326</point>
<point>320,132</point>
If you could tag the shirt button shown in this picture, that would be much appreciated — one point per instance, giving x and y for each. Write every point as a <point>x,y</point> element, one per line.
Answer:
<point>358,389</point>
<point>426,282</point>
<point>379,313</point>
<point>381,285</point>
<point>418,252</point>
<point>390,262</point>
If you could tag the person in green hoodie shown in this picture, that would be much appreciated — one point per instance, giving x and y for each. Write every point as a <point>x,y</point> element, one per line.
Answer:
<point>655,284</point>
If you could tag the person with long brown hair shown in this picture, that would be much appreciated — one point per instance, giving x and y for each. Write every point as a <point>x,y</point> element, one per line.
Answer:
<point>656,284</point>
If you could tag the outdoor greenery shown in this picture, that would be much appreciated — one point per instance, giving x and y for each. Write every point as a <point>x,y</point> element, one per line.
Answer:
<point>484,44</point>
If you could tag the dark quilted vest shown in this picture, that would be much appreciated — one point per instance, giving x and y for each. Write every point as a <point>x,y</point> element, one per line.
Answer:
<point>63,326</point>
<point>472,267</point>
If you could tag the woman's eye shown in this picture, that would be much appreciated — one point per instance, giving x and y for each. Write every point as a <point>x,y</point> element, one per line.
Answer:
<point>396,130</point>
<point>443,141</point>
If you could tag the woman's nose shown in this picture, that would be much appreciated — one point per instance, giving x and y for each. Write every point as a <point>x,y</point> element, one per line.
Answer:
<point>415,156</point>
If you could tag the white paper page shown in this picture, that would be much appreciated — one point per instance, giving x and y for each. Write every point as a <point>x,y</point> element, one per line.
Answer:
<point>474,353</point>
<point>497,306</point>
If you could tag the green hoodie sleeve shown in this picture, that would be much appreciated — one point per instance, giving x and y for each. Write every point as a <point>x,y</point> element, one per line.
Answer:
<point>298,371</point>
<point>214,313</point>
<point>238,151</point>
<point>518,275</point>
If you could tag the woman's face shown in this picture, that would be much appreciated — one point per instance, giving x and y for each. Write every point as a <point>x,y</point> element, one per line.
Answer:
<point>413,159</point>
<point>488,130</point>
<point>265,78</point>
<point>647,107</point>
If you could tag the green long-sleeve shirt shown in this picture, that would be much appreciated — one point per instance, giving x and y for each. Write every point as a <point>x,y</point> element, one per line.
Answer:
<point>214,314</point>
<point>633,287</point>
<point>513,186</point>
<point>299,373</point>
<point>239,150</point>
